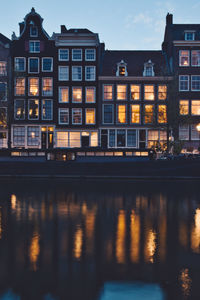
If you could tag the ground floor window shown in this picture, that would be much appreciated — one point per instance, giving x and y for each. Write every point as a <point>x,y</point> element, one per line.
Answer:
<point>184,132</point>
<point>118,138</point>
<point>3,139</point>
<point>157,138</point>
<point>19,136</point>
<point>121,138</point>
<point>76,139</point>
<point>131,138</point>
<point>33,135</point>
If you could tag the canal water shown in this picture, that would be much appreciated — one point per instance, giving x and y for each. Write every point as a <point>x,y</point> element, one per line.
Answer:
<point>99,240</point>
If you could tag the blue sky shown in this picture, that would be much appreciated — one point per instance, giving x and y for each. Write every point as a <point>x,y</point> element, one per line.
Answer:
<point>121,24</point>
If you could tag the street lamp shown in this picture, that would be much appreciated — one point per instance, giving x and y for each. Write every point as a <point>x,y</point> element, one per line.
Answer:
<point>198,129</point>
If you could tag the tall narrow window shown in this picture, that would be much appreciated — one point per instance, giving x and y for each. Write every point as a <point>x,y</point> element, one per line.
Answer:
<point>20,64</point>
<point>107,92</point>
<point>183,83</point>
<point>63,73</point>
<point>33,134</point>
<point>47,109</point>
<point>196,58</point>
<point>162,114</point>
<point>76,54</point>
<point>63,54</point>
<point>184,132</point>
<point>149,92</point>
<point>121,92</point>
<point>47,64</point>
<point>63,115</point>
<point>184,58</point>
<point>33,86</point>
<point>121,114</point>
<point>148,69</point>
<point>148,114</point>
<point>90,54</point>
<point>195,107</point>
<point>90,96</point>
<point>63,94</point>
<point>108,114</point>
<point>162,92</point>
<point>76,73</point>
<point>77,94</point>
<point>47,86</point>
<point>3,91</point>
<point>121,138</point>
<point>90,116</point>
<point>33,31</point>
<point>3,116</point>
<point>135,113</point>
<point>33,109</point>
<point>135,92</point>
<point>34,46</point>
<point>131,138</point>
<point>19,109</point>
<point>33,65</point>
<point>3,68</point>
<point>183,107</point>
<point>19,86</point>
<point>19,135</point>
<point>90,73</point>
<point>195,83</point>
<point>76,116</point>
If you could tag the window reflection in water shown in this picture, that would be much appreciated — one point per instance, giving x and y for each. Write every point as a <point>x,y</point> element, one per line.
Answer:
<point>150,245</point>
<point>135,237</point>
<point>34,250</point>
<point>13,201</point>
<point>185,282</point>
<point>78,243</point>
<point>195,236</point>
<point>120,237</point>
<point>89,228</point>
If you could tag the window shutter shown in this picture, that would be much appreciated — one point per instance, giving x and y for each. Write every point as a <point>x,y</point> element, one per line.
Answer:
<point>41,46</point>
<point>26,45</point>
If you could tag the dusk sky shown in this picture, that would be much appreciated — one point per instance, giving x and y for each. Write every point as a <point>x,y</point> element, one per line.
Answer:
<point>126,24</point>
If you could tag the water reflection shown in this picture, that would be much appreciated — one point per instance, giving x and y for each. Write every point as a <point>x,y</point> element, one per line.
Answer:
<point>68,240</point>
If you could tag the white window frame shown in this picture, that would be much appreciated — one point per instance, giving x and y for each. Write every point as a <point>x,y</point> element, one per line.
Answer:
<point>73,109</point>
<point>198,65</point>
<point>51,58</point>
<point>90,87</point>
<point>122,84</point>
<point>24,64</point>
<point>94,116</point>
<point>66,110</point>
<point>59,50</point>
<point>6,64</point>
<point>51,109</point>
<point>81,51</point>
<point>112,105</point>
<point>15,109</point>
<point>34,41</point>
<point>77,87</point>
<point>136,84</point>
<point>140,113</point>
<point>117,114</point>
<point>94,78</point>
<point>180,83</point>
<point>59,93</point>
<point>24,86</point>
<point>29,108</point>
<point>50,95</point>
<point>29,86</point>
<point>180,58</point>
<point>189,32</point>
<point>195,80</point>
<point>103,92</point>
<point>188,128</point>
<point>192,102</point>
<point>86,59</point>
<point>73,74</point>
<point>29,65</point>
<point>59,68</point>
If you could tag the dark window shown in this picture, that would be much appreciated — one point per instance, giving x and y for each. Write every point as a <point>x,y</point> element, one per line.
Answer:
<point>108,114</point>
<point>121,138</point>
<point>33,65</point>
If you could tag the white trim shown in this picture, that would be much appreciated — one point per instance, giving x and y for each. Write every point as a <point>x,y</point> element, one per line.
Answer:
<point>81,52</point>
<point>24,64</point>
<point>51,118</point>
<point>51,58</point>
<point>63,109</point>
<point>90,87</point>
<point>139,92</point>
<point>103,92</point>
<point>91,79</point>
<point>29,109</point>
<point>112,105</point>
<point>117,92</point>
<point>86,54</point>
<point>73,114</point>
<point>153,92</point>
<point>185,56</point>
<point>15,109</point>
<point>191,59</point>
<point>193,101</point>
<point>187,81</point>
<point>189,31</point>
<point>67,68</point>
<point>29,65</point>
<point>193,90</point>
<point>59,59</point>
<point>29,86</point>
<point>24,86</point>
<point>73,74</point>
<point>33,41</point>
<point>77,87</point>
<point>94,115</point>
<point>59,93</point>
<point>134,78</point>
<point>140,117</point>
<point>49,95</point>
<point>117,113</point>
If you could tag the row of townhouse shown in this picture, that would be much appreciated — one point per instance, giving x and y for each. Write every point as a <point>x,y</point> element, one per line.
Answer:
<point>66,93</point>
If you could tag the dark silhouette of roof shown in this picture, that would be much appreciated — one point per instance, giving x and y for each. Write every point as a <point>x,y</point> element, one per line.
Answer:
<point>79,30</point>
<point>4,39</point>
<point>178,30</point>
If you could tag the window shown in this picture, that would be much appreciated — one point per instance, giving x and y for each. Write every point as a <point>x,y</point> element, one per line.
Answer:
<point>77,94</point>
<point>3,116</point>
<point>63,54</point>
<point>135,113</point>
<point>47,109</point>
<point>195,58</point>
<point>135,92</point>
<point>121,138</point>
<point>189,36</point>
<point>63,94</point>
<point>183,107</point>
<point>19,109</point>
<point>77,54</point>
<point>3,91</point>
<point>90,116</point>
<point>131,138</point>
<point>19,86</point>
<point>195,83</point>
<point>162,92</point>
<point>153,138</point>
<point>33,65</point>
<point>19,135</point>
<point>33,109</point>
<point>121,114</point>
<point>162,114</point>
<point>108,114</point>
<point>148,114</point>
<point>63,73</point>
<point>62,139</point>
<point>33,31</point>
<point>121,92</point>
<point>47,64</point>
<point>107,92</point>
<point>63,115</point>
<point>184,58</point>
<point>90,95</point>
<point>47,86</point>
<point>33,134</point>
<point>195,107</point>
<point>90,73</point>
<point>111,138</point>
<point>77,73</point>
<point>94,139</point>
<point>184,132</point>
<point>90,54</point>
<point>121,69</point>
<point>75,139</point>
<point>20,65</point>
<point>33,86</point>
<point>3,68</point>
<point>148,69</point>
<point>149,92</point>
<point>76,116</point>
<point>183,83</point>
<point>194,132</point>
<point>34,46</point>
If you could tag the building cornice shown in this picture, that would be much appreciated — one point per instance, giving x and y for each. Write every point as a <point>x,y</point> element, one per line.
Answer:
<point>135,78</point>
<point>187,43</point>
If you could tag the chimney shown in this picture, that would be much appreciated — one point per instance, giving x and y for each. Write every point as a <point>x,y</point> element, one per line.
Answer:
<point>63,29</point>
<point>169,19</point>
<point>21,27</point>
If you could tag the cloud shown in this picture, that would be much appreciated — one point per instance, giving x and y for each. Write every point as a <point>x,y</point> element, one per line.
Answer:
<point>141,18</point>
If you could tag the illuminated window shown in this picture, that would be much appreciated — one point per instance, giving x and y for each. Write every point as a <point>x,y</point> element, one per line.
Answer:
<point>135,92</point>
<point>63,73</point>
<point>33,109</point>
<point>107,113</point>
<point>63,115</point>
<point>47,86</point>
<point>76,116</point>
<point>162,114</point>
<point>195,83</point>
<point>184,58</point>
<point>94,139</point>
<point>33,86</point>
<point>19,86</point>
<point>47,64</point>
<point>3,68</point>
<point>107,92</point>
<point>47,109</point>
<point>90,54</point>
<point>3,91</point>
<point>196,58</point>
<point>63,94</point>
<point>121,114</point>
<point>90,116</point>
<point>76,54</point>
<point>189,36</point>
<point>135,113</point>
<point>90,73</point>
<point>195,107</point>
<point>149,92</point>
<point>184,132</point>
<point>77,94</point>
<point>18,135</point>
<point>3,116</point>
<point>121,92</point>
<point>34,46</point>
<point>63,54</point>
<point>194,132</point>
<point>148,114</point>
<point>183,107</point>
<point>33,65</point>
<point>162,92</point>
<point>153,138</point>
<point>121,69</point>
<point>183,83</point>
<point>77,73</point>
<point>20,65</point>
<point>19,109</point>
<point>148,69</point>
<point>75,139</point>
<point>62,139</point>
<point>90,95</point>
<point>33,134</point>
<point>33,31</point>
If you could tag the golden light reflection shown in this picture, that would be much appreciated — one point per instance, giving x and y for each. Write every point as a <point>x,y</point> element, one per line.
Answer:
<point>135,237</point>
<point>89,228</point>
<point>195,236</point>
<point>13,201</point>
<point>120,238</point>
<point>183,236</point>
<point>34,250</point>
<point>78,243</point>
<point>150,246</point>
<point>185,282</point>
<point>162,237</point>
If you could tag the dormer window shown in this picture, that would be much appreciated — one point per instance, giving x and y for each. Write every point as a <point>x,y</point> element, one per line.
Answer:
<point>33,31</point>
<point>148,69</point>
<point>121,69</point>
<point>189,35</point>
